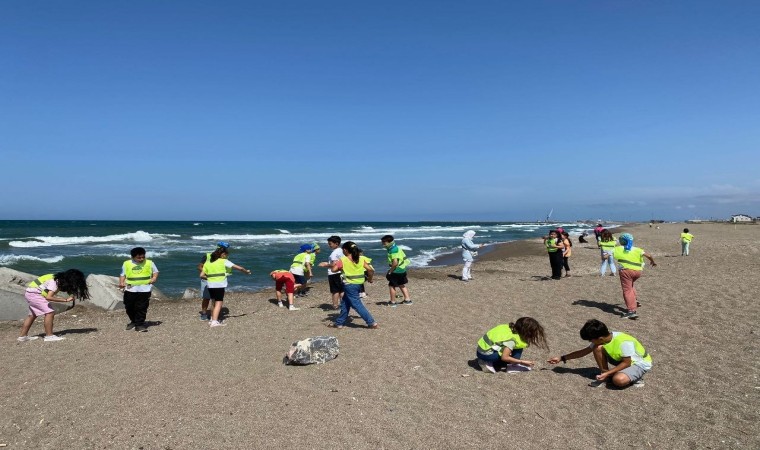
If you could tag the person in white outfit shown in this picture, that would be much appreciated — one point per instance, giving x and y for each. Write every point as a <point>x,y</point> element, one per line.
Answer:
<point>469,252</point>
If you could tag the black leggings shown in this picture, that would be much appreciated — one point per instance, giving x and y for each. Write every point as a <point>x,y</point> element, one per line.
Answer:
<point>565,264</point>
<point>555,261</point>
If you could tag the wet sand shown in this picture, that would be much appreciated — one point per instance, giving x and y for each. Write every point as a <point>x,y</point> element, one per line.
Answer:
<point>411,383</point>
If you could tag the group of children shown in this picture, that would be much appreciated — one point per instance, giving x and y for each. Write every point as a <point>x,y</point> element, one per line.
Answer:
<point>620,357</point>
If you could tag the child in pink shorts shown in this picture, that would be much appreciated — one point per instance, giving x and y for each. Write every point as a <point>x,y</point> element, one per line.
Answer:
<point>42,290</point>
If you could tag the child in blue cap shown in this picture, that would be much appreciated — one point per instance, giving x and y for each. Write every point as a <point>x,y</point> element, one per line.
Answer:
<point>301,268</point>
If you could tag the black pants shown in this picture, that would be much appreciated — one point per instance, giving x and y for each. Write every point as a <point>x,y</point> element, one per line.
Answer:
<point>565,263</point>
<point>556,261</point>
<point>136,304</point>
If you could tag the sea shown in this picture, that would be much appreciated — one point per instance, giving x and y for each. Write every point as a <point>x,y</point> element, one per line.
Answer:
<point>41,247</point>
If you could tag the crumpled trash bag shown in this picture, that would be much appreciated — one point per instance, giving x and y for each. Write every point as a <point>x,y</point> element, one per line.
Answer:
<point>313,350</point>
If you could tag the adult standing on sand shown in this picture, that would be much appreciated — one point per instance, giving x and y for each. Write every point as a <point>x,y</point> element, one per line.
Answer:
<point>353,265</point>
<point>631,261</point>
<point>554,248</point>
<point>598,232</point>
<point>469,252</point>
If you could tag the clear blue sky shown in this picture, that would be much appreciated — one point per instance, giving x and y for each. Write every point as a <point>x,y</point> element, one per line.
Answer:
<point>346,110</point>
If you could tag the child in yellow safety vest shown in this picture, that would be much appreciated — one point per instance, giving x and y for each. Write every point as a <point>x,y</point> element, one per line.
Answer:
<point>215,272</point>
<point>628,359</point>
<point>136,279</point>
<point>686,238</point>
<point>504,344</point>
<point>42,290</point>
<point>631,261</point>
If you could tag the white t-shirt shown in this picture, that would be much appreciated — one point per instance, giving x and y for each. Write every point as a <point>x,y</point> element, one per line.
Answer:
<point>334,256</point>
<point>142,287</point>
<point>223,283</point>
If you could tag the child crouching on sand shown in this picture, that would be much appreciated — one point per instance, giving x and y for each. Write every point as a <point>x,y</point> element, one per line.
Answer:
<point>629,358</point>
<point>504,344</point>
<point>283,278</point>
<point>42,290</point>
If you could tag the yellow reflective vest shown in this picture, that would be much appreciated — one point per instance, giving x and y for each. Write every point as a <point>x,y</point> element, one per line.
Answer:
<point>353,273</point>
<point>633,259</point>
<point>497,337</point>
<point>38,282</point>
<point>138,274</point>
<point>215,271</point>
<point>614,348</point>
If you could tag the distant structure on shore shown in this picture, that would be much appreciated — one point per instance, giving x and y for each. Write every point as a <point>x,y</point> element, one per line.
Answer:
<point>743,218</point>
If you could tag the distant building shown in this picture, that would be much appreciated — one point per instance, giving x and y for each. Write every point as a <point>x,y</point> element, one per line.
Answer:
<point>741,218</point>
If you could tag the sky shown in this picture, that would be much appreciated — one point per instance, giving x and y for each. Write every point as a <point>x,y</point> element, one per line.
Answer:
<point>393,110</point>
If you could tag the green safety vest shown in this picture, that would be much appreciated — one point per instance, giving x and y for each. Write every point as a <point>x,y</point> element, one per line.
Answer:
<point>215,271</point>
<point>38,282</point>
<point>686,237</point>
<point>550,245</point>
<point>299,260</point>
<point>353,273</point>
<point>614,348</point>
<point>228,269</point>
<point>607,245</point>
<point>396,253</point>
<point>633,259</point>
<point>138,275</point>
<point>498,336</point>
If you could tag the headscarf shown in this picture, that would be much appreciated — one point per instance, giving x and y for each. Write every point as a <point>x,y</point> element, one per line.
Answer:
<point>469,234</point>
<point>626,239</point>
<point>315,246</point>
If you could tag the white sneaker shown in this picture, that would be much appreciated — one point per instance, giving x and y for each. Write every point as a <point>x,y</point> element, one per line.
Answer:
<point>26,338</point>
<point>293,308</point>
<point>362,294</point>
<point>280,304</point>
<point>486,366</point>
<point>216,323</point>
<point>53,338</point>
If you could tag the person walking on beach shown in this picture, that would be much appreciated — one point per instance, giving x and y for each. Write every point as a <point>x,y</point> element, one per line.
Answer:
<point>628,358</point>
<point>598,232</point>
<point>396,276</point>
<point>353,265</point>
<point>301,268</point>
<point>334,278</point>
<point>686,239</point>
<point>283,278</point>
<point>567,252</point>
<point>504,344</point>
<point>606,247</point>
<point>215,272</point>
<point>631,261</point>
<point>136,279</point>
<point>554,248</point>
<point>205,296</point>
<point>43,290</point>
<point>469,252</point>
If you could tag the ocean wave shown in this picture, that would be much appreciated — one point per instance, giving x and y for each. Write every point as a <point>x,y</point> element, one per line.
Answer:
<point>49,241</point>
<point>148,254</point>
<point>6,260</point>
<point>284,231</point>
<point>425,256</point>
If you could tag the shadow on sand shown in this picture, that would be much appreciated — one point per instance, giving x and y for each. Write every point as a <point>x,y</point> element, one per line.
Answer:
<point>606,307</point>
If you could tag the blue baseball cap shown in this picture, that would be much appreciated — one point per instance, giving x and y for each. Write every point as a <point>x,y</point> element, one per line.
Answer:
<point>222,244</point>
<point>305,247</point>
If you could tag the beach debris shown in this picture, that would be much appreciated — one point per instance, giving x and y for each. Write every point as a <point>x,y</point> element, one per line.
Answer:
<point>313,350</point>
<point>416,367</point>
<point>466,375</point>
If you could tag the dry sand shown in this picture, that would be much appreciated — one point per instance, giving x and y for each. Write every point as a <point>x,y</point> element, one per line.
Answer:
<point>410,384</point>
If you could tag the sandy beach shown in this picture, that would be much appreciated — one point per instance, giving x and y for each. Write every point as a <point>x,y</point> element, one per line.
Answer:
<point>412,383</point>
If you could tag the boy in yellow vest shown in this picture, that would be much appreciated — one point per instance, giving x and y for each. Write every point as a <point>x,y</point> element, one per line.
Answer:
<point>628,358</point>
<point>137,277</point>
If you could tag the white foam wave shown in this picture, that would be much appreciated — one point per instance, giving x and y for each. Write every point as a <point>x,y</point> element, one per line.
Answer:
<point>49,241</point>
<point>197,223</point>
<point>425,256</point>
<point>284,231</point>
<point>148,254</point>
<point>404,247</point>
<point>11,259</point>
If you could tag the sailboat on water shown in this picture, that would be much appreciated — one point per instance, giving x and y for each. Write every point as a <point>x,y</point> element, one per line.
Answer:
<point>548,216</point>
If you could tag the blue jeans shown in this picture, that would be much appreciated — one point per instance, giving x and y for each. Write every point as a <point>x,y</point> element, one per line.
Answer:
<point>351,299</point>
<point>606,262</point>
<point>494,357</point>
<point>684,249</point>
